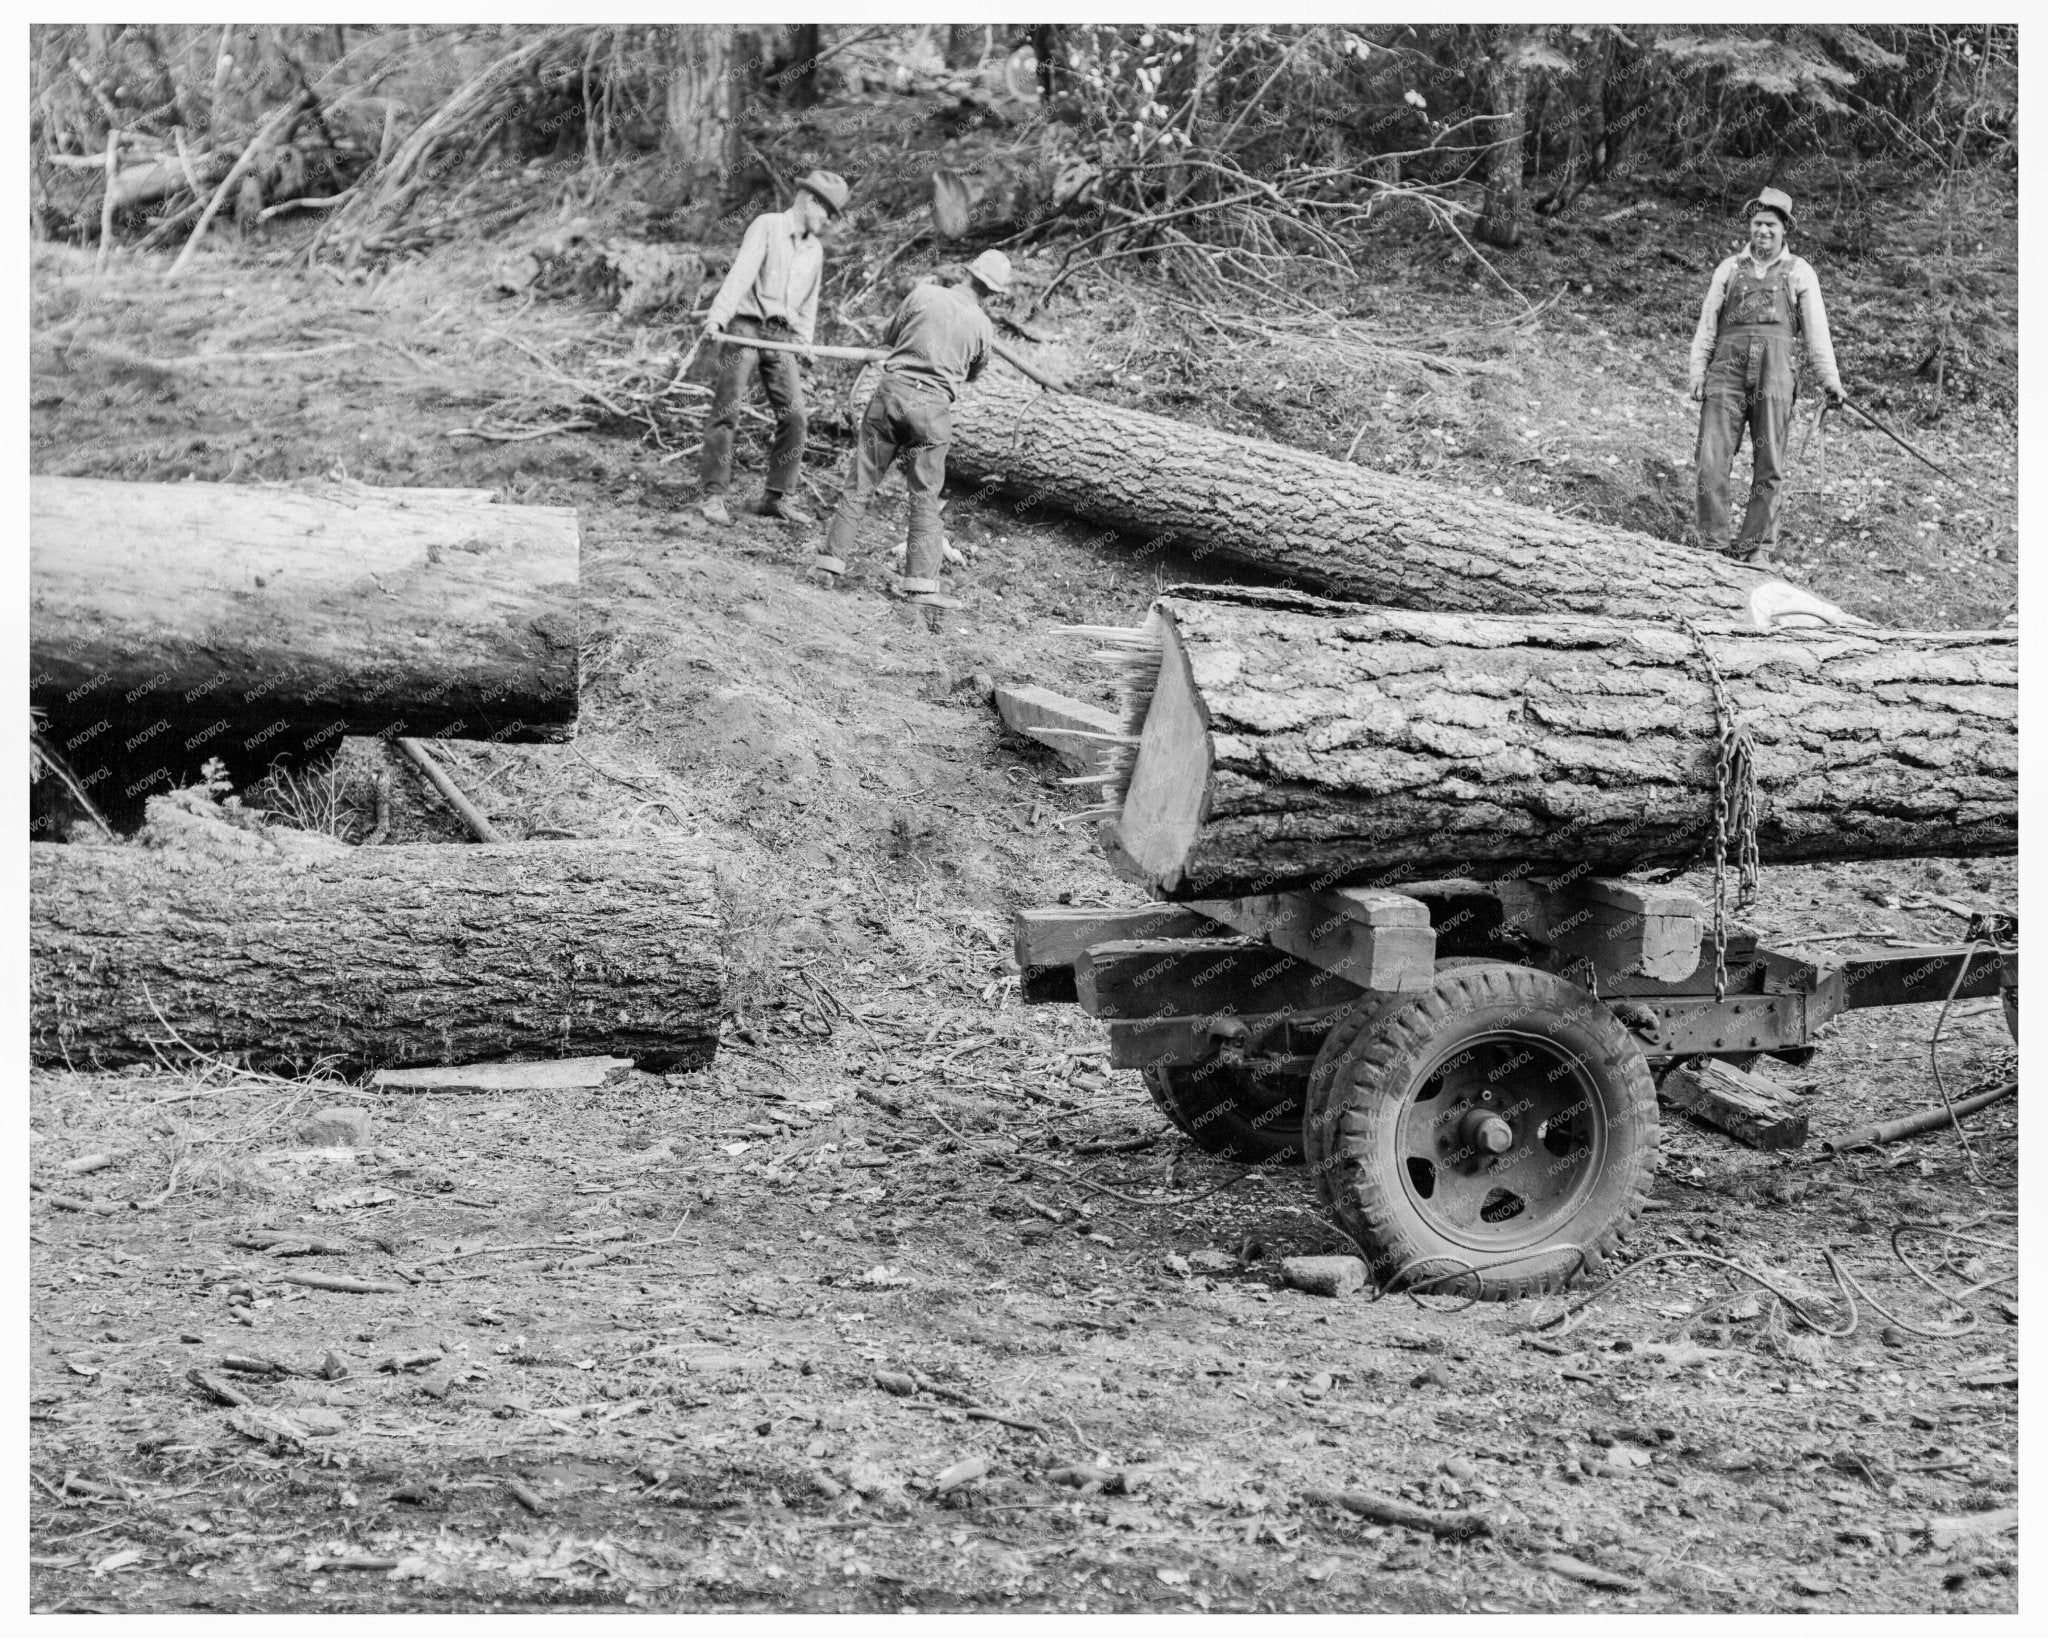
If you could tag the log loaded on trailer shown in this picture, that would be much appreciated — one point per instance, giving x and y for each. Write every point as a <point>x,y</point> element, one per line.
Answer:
<point>1402,927</point>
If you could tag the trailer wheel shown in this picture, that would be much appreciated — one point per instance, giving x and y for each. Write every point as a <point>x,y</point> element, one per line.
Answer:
<point>1492,1135</point>
<point>1230,1109</point>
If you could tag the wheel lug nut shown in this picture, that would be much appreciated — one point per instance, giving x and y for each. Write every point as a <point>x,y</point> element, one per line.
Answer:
<point>1489,1134</point>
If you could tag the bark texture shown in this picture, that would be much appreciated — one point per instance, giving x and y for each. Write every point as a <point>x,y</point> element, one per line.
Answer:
<point>705,96</point>
<point>1346,744</point>
<point>1348,530</point>
<point>421,612</point>
<point>373,956</point>
<point>1507,96</point>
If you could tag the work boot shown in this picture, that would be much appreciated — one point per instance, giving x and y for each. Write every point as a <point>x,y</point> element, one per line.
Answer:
<point>774,505</point>
<point>715,510</point>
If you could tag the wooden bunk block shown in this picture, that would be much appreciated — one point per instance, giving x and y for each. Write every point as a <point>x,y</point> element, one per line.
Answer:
<point>1626,929</point>
<point>1376,940</point>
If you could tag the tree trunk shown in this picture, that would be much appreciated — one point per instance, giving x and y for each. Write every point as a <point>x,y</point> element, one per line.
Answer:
<point>793,72</point>
<point>1507,96</point>
<point>169,623</point>
<point>228,946</point>
<point>703,110</point>
<point>1345,529</point>
<point>1048,45</point>
<point>1285,740</point>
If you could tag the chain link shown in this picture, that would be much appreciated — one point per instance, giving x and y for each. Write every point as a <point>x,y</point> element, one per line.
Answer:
<point>1735,807</point>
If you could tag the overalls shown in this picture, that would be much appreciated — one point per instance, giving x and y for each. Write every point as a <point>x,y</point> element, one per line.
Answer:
<point>1751,381</point>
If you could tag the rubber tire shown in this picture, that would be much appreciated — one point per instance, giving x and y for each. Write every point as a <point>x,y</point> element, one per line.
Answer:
<point>1229,1113</point>
<point>1373,1059</point>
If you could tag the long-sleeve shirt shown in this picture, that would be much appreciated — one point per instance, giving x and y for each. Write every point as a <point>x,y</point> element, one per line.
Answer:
<point>940,336</point>
<point>1810,316</point>
<point>776,275</point>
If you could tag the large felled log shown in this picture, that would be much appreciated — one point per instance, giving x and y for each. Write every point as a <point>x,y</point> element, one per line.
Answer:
<point>1351,531</point>
<point>372,956</point>
<point>1286,740</point>
<point>189,620</point>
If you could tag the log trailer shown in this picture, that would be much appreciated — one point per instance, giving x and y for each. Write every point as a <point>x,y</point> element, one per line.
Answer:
<point>1470,1070</point>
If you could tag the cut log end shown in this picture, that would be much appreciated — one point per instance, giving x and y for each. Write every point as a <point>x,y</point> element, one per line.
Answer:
<point>1163,783</point>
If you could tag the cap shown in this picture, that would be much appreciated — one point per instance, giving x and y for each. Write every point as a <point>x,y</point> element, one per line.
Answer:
<point>830,187</point>
<point>1770,199</point>
<point>992,268</point>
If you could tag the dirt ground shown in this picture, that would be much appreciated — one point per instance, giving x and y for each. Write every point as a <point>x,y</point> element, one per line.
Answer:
<point>676,1310</point>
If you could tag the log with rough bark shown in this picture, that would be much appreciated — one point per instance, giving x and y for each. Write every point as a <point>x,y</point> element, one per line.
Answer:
<point>282,950</point>
<point>167,613</point>
<point>1286,740</point>
<point>1350,531</point>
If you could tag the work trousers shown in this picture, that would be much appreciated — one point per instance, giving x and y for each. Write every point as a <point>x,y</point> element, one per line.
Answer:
<point>914,421</point>
<point>1749,386</point>
<point>781,382</point>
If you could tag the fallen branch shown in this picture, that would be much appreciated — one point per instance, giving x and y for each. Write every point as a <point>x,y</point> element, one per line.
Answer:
<point>106,244</point>
<point>199,361</point>
<point>71,1202</point>
<point>1385,1510</point>
<point>479,826</point>
<point>518,437</point>
<point>1928,1120</point>
<point>339,1282</point>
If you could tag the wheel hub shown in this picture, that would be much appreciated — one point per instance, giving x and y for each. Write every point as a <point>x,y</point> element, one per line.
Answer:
<point>1500,1141</point>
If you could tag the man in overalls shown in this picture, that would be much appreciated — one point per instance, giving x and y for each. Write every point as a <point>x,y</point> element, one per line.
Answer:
<point>1745,370</point>
<point>939,340</point>
<point>772,293</point>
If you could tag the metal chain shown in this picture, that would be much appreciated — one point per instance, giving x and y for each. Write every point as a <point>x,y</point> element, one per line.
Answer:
<point>1735,808</point>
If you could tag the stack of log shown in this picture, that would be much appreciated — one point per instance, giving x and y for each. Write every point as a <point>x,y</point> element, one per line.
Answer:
<point>1487,688</point>
<point>170,624</point>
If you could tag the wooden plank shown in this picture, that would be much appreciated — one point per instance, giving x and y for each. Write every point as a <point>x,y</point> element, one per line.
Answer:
<point>1881,977</point>
<point>1749,1107</point>
<point>1068,726</point>
<point>546,1074</point>
<point>1049,942</point>
<point>1201,978</point>
<point>1376,940</point>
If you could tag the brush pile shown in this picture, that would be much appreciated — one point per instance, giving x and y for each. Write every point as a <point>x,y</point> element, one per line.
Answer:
<point>162,130</point>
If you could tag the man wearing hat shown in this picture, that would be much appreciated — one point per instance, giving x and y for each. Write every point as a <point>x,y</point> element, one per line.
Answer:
<point>771,292</point>
<point>1745,368</point>
<point>939,340</point>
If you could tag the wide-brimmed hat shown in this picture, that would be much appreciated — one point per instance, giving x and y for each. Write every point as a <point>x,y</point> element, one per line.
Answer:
<point>1770,199</point>
<point>830,187</point>
<point>992,268</point>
